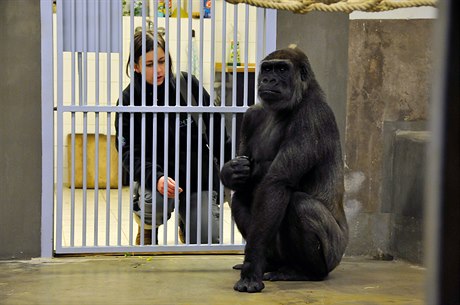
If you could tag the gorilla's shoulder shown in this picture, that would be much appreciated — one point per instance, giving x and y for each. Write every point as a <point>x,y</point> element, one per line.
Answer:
<point>253,115</point>
<point>256,108</point>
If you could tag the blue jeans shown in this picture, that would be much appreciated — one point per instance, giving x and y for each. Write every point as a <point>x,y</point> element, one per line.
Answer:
<point>193,226</point>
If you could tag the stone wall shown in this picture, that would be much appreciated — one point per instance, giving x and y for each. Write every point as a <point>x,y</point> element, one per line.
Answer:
<point>389,83</point>
<point>20,129</point>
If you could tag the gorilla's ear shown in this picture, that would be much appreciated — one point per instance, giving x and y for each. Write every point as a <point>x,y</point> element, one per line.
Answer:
<point>304,73</point>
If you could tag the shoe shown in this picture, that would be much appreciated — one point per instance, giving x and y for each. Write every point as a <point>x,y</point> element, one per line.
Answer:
<point>147,237</point>
<point>181,232</point>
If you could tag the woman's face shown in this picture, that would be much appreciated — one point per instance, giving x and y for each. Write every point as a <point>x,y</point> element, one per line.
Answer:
<point>149,66</point>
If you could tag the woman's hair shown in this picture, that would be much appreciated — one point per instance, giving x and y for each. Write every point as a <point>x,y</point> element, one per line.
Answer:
<point>149,40</point>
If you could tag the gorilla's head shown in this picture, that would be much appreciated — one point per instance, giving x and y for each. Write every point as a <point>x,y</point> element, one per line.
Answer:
<point>284,78</point>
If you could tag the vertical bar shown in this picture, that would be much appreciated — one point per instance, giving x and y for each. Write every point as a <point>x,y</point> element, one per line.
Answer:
<point>176,168</point>
<point>222,121</point>
<point>187,213</point>
<point>235,55</point>
<point>178,103</point>
<point>73,119</point>
<point>200,132</point>
<point>210,174</point>
<point>266,23</point>
<point>108,128</point>
<point>246,55</point>
<point>120,124</point>
<point>60,167</point>
<point>83,101</point>
<point>167,93</point>
<point>131,126</point>
<point>47,78</point>
<point>199,178</point>
<point>189,118</point>
<point>260,49</point>
<point>143,119</point>
<point>234,102</point>
<point>270,27</point>
<point>221,189</point>
<point>165,122</point>
<point>211,122</point>
<point>96,134</point>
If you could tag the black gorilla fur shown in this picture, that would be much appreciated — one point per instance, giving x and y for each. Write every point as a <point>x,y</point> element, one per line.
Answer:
<point>288,178</point>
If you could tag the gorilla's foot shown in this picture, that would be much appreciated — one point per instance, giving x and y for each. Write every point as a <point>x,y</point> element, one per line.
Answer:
<point>238,267</point>
<point>248,285</point>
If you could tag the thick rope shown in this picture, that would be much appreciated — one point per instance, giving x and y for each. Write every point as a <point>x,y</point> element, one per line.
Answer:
<point>347,6</point>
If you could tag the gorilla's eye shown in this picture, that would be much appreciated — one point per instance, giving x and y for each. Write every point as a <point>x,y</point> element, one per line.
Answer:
<point>282,68</point>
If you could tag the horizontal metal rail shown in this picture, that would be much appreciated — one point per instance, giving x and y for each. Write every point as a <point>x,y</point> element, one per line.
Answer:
<point>214,248</point>
<point>153,109</point>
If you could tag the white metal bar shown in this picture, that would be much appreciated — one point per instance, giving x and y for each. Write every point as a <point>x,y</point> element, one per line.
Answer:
<point>73,119</point>
<point>232,224</point>
<point>166,82</point>
<point>131,128</point>
<point>214,248</point>
<point>235,54</point>
<point>96,135</point>
<point>84,101</point>
<point>108,128</point>
<point>187,213</point>
<point>201,52</point>
<point>210,175</point>
<point>176,173</point>
<point>222,122</point>
<point>120,125</point>
<point>60,166</point>
<point>246,55</point>
<point>199,187</point>
<point>200,129</point>
<point>154,124</point>
<point>211,120</point>
<point>260,43</point>
<point>143,131</point>
<point>221,190</point>
<point>224,40</point>
<point>234,96</point>
<point>270,31</point>
<point>178,103</point>
<point>47,117</point>
<point>155,109</point>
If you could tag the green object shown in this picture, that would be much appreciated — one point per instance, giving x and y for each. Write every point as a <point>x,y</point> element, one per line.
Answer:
<point>231,54</point>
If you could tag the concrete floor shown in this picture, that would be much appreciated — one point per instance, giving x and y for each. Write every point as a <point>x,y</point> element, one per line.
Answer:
<point>198,279</point>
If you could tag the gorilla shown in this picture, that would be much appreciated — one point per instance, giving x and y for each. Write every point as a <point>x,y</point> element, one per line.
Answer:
<point>288,178</point>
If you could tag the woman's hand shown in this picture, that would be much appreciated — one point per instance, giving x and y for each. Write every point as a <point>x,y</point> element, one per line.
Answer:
<point>171,186</point>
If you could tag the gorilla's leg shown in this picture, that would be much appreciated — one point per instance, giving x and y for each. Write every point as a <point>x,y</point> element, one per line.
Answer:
<point>312,242</point>
<point>241,211</point>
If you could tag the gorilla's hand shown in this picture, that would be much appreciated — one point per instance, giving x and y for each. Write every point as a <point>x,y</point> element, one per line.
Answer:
<point>235,173</point>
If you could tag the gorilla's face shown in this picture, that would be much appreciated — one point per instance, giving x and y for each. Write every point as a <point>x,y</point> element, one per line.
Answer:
<point>275,82</point>
<point>284,78</point>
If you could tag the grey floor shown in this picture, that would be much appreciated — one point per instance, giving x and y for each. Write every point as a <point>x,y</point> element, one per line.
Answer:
<point>198,279</point>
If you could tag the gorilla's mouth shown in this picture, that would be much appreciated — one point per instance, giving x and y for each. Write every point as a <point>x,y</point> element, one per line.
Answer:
<point>269,92</point>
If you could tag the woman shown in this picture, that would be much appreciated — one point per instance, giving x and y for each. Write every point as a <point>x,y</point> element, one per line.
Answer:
<point>154,173</point>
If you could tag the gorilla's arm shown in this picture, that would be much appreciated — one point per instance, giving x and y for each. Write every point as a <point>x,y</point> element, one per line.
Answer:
<point>235,174</point>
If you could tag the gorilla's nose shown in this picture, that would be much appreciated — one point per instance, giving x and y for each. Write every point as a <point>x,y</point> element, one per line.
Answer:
<point>267,80</point>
